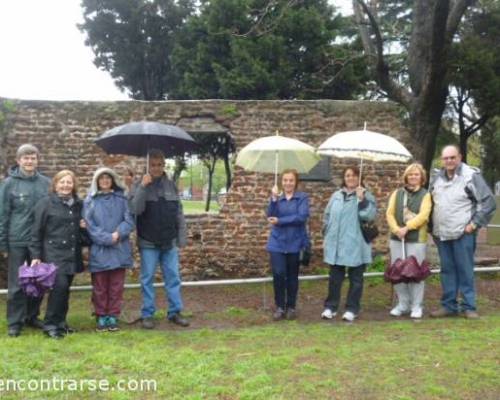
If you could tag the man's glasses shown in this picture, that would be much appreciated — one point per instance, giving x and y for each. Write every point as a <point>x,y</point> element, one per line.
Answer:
<point>449,158</point>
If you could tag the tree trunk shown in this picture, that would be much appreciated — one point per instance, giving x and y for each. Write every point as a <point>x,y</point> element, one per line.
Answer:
<point>211,169</point>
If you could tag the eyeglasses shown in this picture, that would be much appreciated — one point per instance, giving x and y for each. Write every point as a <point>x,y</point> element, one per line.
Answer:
<point>449,158</point>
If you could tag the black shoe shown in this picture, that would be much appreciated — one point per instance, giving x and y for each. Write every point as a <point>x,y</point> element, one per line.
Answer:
<point>68,330</point>
<point>178,320</point>
<point>54,334</point>
<point>35,323</point>
<point>14,331</point>
<point>278,314</point>
<point>291,314</point>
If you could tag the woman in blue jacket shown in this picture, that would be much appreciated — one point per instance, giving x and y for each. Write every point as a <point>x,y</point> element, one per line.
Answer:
<point>287,213</point>
<point>109,224</point>
<point>344,244</point>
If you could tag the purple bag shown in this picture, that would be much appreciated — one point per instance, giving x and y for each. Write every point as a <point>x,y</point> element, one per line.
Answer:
<point>36,280</point>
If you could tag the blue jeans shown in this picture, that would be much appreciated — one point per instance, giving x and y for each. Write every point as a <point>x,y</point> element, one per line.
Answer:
<point>285,268</point>
<point>457,272</point>
<point>169,263</point>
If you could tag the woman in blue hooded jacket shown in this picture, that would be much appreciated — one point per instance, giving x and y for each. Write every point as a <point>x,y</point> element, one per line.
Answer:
<point>287,213</point>
<point>109,224</point>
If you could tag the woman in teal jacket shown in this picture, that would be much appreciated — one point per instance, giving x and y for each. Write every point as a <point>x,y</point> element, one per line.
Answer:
<point>344,244</point>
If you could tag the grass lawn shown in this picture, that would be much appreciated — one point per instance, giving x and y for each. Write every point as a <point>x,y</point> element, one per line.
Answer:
<point>429,359</point>
<point>198,207</point>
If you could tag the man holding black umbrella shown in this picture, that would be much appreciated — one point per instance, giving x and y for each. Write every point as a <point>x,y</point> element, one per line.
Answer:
<point>161,230</point>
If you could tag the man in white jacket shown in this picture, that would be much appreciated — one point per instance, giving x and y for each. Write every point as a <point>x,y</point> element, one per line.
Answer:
<point>463,203</point>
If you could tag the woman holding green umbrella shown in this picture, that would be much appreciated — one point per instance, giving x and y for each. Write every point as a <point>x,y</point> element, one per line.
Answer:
<point>287,213</point>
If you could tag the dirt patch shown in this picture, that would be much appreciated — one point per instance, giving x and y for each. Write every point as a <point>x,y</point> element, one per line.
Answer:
<point>251,305</point>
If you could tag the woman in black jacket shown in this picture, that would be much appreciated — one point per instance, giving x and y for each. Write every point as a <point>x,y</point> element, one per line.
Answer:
<point>57,236</point>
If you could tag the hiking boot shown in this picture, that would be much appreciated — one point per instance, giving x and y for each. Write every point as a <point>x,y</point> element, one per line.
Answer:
<point>148,323</point>
<point>14,331</point>
<point>291,314</point>
<point>279,314</point>
<point>442,312</point>
<point>102,324</point>
<point>328,314</point>
<point>471,314</point>
<point>178,320</point>
<point>113,324</point>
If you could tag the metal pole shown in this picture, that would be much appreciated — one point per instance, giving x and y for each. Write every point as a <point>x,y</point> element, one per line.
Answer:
<point>222,282</point>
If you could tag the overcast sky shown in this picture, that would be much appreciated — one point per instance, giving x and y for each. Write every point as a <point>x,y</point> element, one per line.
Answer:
<point>43,55</point>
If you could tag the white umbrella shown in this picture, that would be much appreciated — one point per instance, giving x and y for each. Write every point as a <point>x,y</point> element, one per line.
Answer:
<point>273,154</point>
<point>365,145</point>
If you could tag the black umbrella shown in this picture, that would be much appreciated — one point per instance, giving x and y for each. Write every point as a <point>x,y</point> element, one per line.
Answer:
<point>138,138</point>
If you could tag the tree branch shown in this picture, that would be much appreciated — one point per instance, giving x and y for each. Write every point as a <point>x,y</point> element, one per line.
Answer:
<point>456,13</point>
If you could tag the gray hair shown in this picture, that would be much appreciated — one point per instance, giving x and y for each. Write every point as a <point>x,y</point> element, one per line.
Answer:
<point>27,149</point>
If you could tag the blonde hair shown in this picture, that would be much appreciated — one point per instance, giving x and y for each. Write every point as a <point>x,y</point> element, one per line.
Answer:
<point>61,174</point>
<point>415,167</point>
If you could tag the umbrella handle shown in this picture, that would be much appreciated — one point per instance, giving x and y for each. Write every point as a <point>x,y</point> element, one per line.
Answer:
<point>361,172</point>
<point>147,162</point>
<point>276,161</point>
<point>403,248</point>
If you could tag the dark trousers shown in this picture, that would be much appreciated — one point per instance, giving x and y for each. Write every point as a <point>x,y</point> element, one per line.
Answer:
<point>20,308</point>
<point>107,291</point>
<point>336,278</point>
<point>285,268</point>
<point>58,303</point>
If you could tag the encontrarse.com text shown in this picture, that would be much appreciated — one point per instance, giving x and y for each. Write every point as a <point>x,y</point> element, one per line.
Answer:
<point>76,385</point>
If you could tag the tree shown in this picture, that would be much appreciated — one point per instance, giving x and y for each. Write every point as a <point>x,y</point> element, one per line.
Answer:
<point>434,24</point>
<point>260,49</point>
<point>475,67</point>
<point>214,147</point>
<point>133,39</point>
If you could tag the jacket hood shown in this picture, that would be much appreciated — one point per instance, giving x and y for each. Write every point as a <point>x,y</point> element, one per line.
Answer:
<point>118,185</point>
<point>15,172</point>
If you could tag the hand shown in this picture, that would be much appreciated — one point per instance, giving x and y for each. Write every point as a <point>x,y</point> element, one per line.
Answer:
<point>35,261</point>
<point>146,180</point>
<point>83,224</point>
<point>272,220</point>
<point>470,228</point>
<point>274,193</point>
<point>360,192</point>
<point>115,236</point>
<point>402,232</point>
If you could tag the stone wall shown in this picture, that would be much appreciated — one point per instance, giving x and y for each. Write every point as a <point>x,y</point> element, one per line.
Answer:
<point>231,243</point>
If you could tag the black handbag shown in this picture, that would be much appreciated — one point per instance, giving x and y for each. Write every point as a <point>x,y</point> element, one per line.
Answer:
<point>369,230</point>
<point>305,256</point>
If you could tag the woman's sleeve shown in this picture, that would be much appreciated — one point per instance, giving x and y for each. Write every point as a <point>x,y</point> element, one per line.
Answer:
<point>127,225</point>
<point>37,229</point>
<point>326,215</point>
<point>298,218</point>
<point>390,214</point>
<point>272,208</point>
<point>367,209</point>
<point>422,217</point>
<point>96,233</point>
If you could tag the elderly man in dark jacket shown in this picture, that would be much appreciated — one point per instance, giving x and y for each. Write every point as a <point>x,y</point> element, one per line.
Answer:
<point>161,229</point>
<point>19,193</point>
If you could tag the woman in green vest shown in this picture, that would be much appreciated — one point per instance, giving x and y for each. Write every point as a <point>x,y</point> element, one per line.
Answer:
<point>407,215</point>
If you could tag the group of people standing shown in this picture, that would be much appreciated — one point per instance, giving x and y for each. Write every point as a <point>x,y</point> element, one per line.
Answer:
<point>457,203</point>
<point>45,221</point>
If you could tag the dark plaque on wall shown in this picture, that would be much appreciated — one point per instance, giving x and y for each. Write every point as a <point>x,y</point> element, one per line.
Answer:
<point>320,173</point>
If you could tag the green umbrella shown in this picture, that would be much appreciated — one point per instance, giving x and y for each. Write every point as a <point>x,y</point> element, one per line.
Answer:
<point>273,154</point>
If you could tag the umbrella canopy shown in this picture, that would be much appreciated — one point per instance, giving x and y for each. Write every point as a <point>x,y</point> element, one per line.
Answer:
<point>365,145</point>
<point>273,154</point>
<point>34,281</point>
<point>138,138</point>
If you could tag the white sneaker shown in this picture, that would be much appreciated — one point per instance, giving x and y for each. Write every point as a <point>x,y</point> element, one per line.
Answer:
<point>349,316</point>
<point>328,314</point>
<point>398,311</point>
<point>416,313</point>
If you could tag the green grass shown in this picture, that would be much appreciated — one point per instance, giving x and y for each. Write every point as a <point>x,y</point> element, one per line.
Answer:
<point>429,359</point>
<point>198,207</point>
